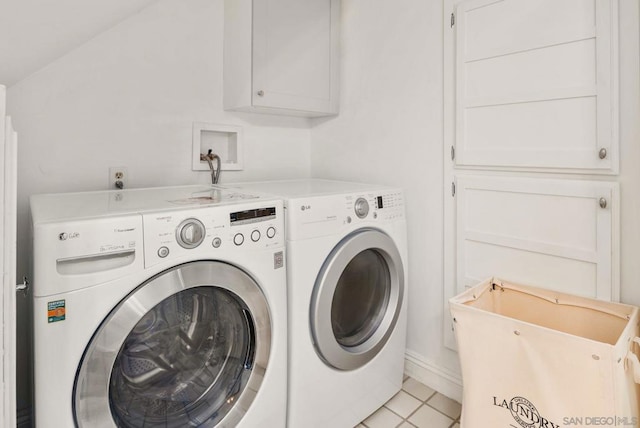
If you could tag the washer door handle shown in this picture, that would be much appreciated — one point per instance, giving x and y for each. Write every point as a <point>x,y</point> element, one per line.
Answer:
<point>251,345</point>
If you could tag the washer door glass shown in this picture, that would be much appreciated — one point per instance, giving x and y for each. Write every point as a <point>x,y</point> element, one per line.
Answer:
<point>184,360</point>
<point>357,299</point>
<point>190,359</point>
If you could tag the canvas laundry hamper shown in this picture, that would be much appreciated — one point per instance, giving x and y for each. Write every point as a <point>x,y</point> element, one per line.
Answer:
<point>536,358</point>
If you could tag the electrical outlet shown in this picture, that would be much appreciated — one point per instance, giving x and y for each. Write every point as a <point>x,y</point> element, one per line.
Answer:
<point>118,177</point>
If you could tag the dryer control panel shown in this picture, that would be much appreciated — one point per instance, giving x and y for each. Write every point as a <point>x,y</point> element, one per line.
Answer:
<point>209,232</point>
<point>323,215</point>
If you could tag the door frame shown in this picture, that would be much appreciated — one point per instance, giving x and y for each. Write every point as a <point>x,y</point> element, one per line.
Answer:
<point>8,219</point>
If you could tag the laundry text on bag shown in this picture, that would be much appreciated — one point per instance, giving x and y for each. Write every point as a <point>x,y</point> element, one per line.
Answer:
<point>524,412</point>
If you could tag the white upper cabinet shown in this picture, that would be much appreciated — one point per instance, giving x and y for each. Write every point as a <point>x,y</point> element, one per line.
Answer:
<point>536,85</point>
<point>281,56</point>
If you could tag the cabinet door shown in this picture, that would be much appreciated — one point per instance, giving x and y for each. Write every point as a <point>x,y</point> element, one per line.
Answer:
<point>295,51</point>
<point>556,234</point>
<point>536,84</point>
<point>552,233</point>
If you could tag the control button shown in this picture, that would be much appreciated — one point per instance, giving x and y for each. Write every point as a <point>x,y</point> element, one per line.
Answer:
<point>238,239</point>
<point>348,219</point>
<point>255,235</point>
<point>271,232</point>
<point>163,252</point>
<point>190,233</point>
<point>216,242</point>
<point>361,207</point>
<point>375,215</point>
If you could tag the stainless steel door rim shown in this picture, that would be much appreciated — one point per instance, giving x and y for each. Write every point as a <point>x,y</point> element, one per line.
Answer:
<point>92,405</point>
<point>344,353</point>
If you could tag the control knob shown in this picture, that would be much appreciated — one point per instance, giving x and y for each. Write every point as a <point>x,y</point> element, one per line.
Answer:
<point>361,207</point>
<point>190,233</point>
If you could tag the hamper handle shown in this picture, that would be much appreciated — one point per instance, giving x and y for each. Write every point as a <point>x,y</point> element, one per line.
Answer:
<point>632,359</point>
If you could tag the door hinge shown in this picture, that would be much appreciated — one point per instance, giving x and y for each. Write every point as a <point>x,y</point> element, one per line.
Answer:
<point>453,188</point>
<point>453,153</point>
<point>453,19</point>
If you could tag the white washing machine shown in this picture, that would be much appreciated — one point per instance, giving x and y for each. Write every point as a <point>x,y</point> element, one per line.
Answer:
<point>346,272</point>
<point>159,307</point>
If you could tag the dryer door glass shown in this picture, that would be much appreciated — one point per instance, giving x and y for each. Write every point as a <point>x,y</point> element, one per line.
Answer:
<point>357,299</point>
<point>177,353</point>
<point>360,299</point>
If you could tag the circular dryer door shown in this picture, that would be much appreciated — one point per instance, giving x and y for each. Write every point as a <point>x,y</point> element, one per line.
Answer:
<point>357,299</point>
<point>189,347</point>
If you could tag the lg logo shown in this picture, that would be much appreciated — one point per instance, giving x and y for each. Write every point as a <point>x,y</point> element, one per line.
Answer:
<point>305,207</point>
<point>64,236</point>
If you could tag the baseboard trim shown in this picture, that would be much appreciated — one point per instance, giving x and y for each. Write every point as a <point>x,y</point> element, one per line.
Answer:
<point>23,418</point>
<point>442,380</point>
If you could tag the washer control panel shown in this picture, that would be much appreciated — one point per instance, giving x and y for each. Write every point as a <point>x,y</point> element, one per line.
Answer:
<point>208,231</point>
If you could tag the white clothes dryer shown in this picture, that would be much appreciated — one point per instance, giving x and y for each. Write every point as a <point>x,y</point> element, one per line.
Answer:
<point>159,307</point>
<point>346,273</point>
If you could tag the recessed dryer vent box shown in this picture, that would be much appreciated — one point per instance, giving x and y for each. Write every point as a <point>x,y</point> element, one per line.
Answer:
<point>223,140</point>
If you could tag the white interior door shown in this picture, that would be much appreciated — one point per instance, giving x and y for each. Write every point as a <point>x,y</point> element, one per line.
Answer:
<point>8,190</point>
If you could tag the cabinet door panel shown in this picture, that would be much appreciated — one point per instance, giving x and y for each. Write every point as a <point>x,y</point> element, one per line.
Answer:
<point>522,76</point>
<point>565,127</point>
<point>562,274</point>
<point>545,232</point>
<point>486,22</point>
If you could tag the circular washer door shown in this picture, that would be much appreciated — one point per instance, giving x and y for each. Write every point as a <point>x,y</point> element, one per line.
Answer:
<point>187,348</point>
<point>357,299</point>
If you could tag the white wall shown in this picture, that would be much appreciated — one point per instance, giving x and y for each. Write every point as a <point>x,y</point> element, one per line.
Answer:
<point>128,98</point>
<point>390,130</point>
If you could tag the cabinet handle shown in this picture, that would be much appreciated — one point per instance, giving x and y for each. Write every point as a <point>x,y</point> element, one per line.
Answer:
<point>603,203</point>
<point>261,93</point>
<point>602,153</point>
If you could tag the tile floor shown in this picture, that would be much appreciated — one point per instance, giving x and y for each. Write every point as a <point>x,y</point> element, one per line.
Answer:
<point>416,405</point>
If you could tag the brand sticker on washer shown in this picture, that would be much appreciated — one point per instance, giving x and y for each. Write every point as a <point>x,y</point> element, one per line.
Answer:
<point>278,260</point>
<point>56,310</point>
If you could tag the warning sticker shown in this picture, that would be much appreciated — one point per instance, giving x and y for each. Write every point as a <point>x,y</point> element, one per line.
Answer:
<point>56,310</point>
<point>278,260</point>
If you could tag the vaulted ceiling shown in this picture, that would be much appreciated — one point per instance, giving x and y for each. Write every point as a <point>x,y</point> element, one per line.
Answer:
<point>34,33</point>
